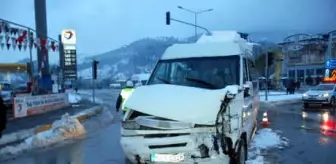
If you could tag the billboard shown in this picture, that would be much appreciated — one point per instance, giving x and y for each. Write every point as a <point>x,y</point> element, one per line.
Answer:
<point>68,37</point>
<point>70,63</point>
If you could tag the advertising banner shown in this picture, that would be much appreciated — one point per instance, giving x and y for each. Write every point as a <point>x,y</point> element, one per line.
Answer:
<point>31,105</point>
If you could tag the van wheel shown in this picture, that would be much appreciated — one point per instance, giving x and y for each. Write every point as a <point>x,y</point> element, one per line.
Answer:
<point>127,161</point>
<point>241,155</point>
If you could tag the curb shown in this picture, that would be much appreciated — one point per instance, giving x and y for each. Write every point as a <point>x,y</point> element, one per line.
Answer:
<point>283,102</point>
<point>23,134</point>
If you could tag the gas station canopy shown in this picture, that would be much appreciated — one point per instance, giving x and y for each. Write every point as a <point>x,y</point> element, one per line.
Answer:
<point>7,67</point>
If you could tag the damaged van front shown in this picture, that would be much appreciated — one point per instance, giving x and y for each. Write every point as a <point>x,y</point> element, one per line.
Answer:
<point>196,108</point>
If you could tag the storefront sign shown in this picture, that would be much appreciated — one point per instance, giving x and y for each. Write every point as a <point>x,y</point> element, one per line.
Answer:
<point>31,105</point>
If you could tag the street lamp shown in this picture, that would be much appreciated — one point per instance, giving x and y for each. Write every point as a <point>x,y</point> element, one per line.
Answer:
<point>195,13</point>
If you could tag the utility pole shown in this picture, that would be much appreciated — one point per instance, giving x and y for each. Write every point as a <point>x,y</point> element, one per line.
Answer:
<point>195,16</point>
<point>42,33</point>
<point>266,74</point>
<point>94,78</point>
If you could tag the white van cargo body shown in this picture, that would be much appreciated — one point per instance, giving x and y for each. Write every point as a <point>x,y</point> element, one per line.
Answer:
<point>199,105</point>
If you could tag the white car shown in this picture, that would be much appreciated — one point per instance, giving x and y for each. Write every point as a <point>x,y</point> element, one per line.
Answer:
<point>321,94</point>
<point>199,106</point>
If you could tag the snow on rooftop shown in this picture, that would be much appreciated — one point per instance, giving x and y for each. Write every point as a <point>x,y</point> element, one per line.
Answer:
<point>265,139</point>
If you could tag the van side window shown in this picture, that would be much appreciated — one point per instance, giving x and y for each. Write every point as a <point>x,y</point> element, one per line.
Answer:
<point>254,75</point>
<point>245,73</point>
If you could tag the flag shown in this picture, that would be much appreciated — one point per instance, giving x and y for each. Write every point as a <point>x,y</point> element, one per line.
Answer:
<point>2,45</point>
<point>19,46</point>
<point>8,46</point>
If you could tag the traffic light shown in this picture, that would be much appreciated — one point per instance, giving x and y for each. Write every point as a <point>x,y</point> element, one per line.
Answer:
<point>167,18</point>
<point>95,69</point>
<point>270,59</point>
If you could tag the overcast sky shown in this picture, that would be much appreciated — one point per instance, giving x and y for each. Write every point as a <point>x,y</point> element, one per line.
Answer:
<point>103,25</point>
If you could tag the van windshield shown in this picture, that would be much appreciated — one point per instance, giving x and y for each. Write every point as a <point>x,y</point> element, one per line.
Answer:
<point>207,72</point>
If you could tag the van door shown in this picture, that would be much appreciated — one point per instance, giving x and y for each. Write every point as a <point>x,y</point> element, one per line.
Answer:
<point>255,95</point>
<point>248,122</point>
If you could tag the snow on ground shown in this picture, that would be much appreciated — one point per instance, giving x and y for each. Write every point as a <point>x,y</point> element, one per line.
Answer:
<point>279,96</point>
<point>265,139</point>
<point>65,128</point>
<point>74,97</point>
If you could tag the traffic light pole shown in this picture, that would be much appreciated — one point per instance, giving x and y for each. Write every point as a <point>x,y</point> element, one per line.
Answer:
<point>93,90</point>
<point>266,74</point>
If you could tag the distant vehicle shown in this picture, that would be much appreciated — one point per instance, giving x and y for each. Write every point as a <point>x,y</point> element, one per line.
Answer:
<point>200,105</point>
<point>6,93</point>
<point>21,89</point>
<point>321,94</point>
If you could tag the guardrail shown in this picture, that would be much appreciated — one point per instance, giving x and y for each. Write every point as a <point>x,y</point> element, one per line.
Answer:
<point>24,106</point>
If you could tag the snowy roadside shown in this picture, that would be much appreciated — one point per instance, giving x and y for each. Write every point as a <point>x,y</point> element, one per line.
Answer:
<point>280,97</point>
<point>67,128</point>
<point>265,139</point>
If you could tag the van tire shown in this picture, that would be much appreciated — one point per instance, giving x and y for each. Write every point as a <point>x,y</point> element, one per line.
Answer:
<point>127,161</point>
<point>241,154</point>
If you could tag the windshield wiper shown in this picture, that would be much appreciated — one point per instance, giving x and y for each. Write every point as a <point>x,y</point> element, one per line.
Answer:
<point>163,80</point>
<point>211,86</point>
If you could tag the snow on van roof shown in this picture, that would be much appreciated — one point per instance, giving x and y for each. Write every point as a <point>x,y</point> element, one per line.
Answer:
<point>221,36</point>
<point>220,43</point>
<point>179,51</point>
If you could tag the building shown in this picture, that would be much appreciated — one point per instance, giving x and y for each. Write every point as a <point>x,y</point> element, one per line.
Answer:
<point>305,55</point>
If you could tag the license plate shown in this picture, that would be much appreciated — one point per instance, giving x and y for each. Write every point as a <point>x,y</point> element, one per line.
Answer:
<point>171,158</point>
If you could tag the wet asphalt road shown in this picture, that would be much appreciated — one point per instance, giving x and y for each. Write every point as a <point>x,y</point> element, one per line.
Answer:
<point>102,145</point>
<point>307,145</point>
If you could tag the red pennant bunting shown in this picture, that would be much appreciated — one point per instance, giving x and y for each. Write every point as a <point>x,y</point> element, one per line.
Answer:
<point>20,46</point>
<point>21,37</point>
<point>43,42</point>
<point>53,46</point>
<point>8,46</point>
<point>2,45</point>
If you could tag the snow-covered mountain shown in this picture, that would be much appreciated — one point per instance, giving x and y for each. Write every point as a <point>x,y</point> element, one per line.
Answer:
<point>138,57</point>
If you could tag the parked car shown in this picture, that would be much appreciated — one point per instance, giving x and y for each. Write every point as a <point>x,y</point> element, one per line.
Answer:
<point>321,94</point>
<point>6,93</point>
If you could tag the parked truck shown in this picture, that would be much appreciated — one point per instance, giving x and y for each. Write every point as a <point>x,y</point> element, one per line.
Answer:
<point>199,106</point>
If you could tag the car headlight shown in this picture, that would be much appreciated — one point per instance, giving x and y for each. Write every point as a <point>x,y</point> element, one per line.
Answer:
<point>326,95</point>
<point>325,116</point>
<point>305,95</point>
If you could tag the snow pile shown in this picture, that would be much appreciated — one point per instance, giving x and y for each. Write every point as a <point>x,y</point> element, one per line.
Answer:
<point>64,129</point>
<point>265,139</point>
<point>74,98</point>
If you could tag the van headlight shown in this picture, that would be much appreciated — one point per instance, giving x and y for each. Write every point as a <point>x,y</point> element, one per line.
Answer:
<point>305,95</point>
<point>326,95</point>
<point>130,125</point>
